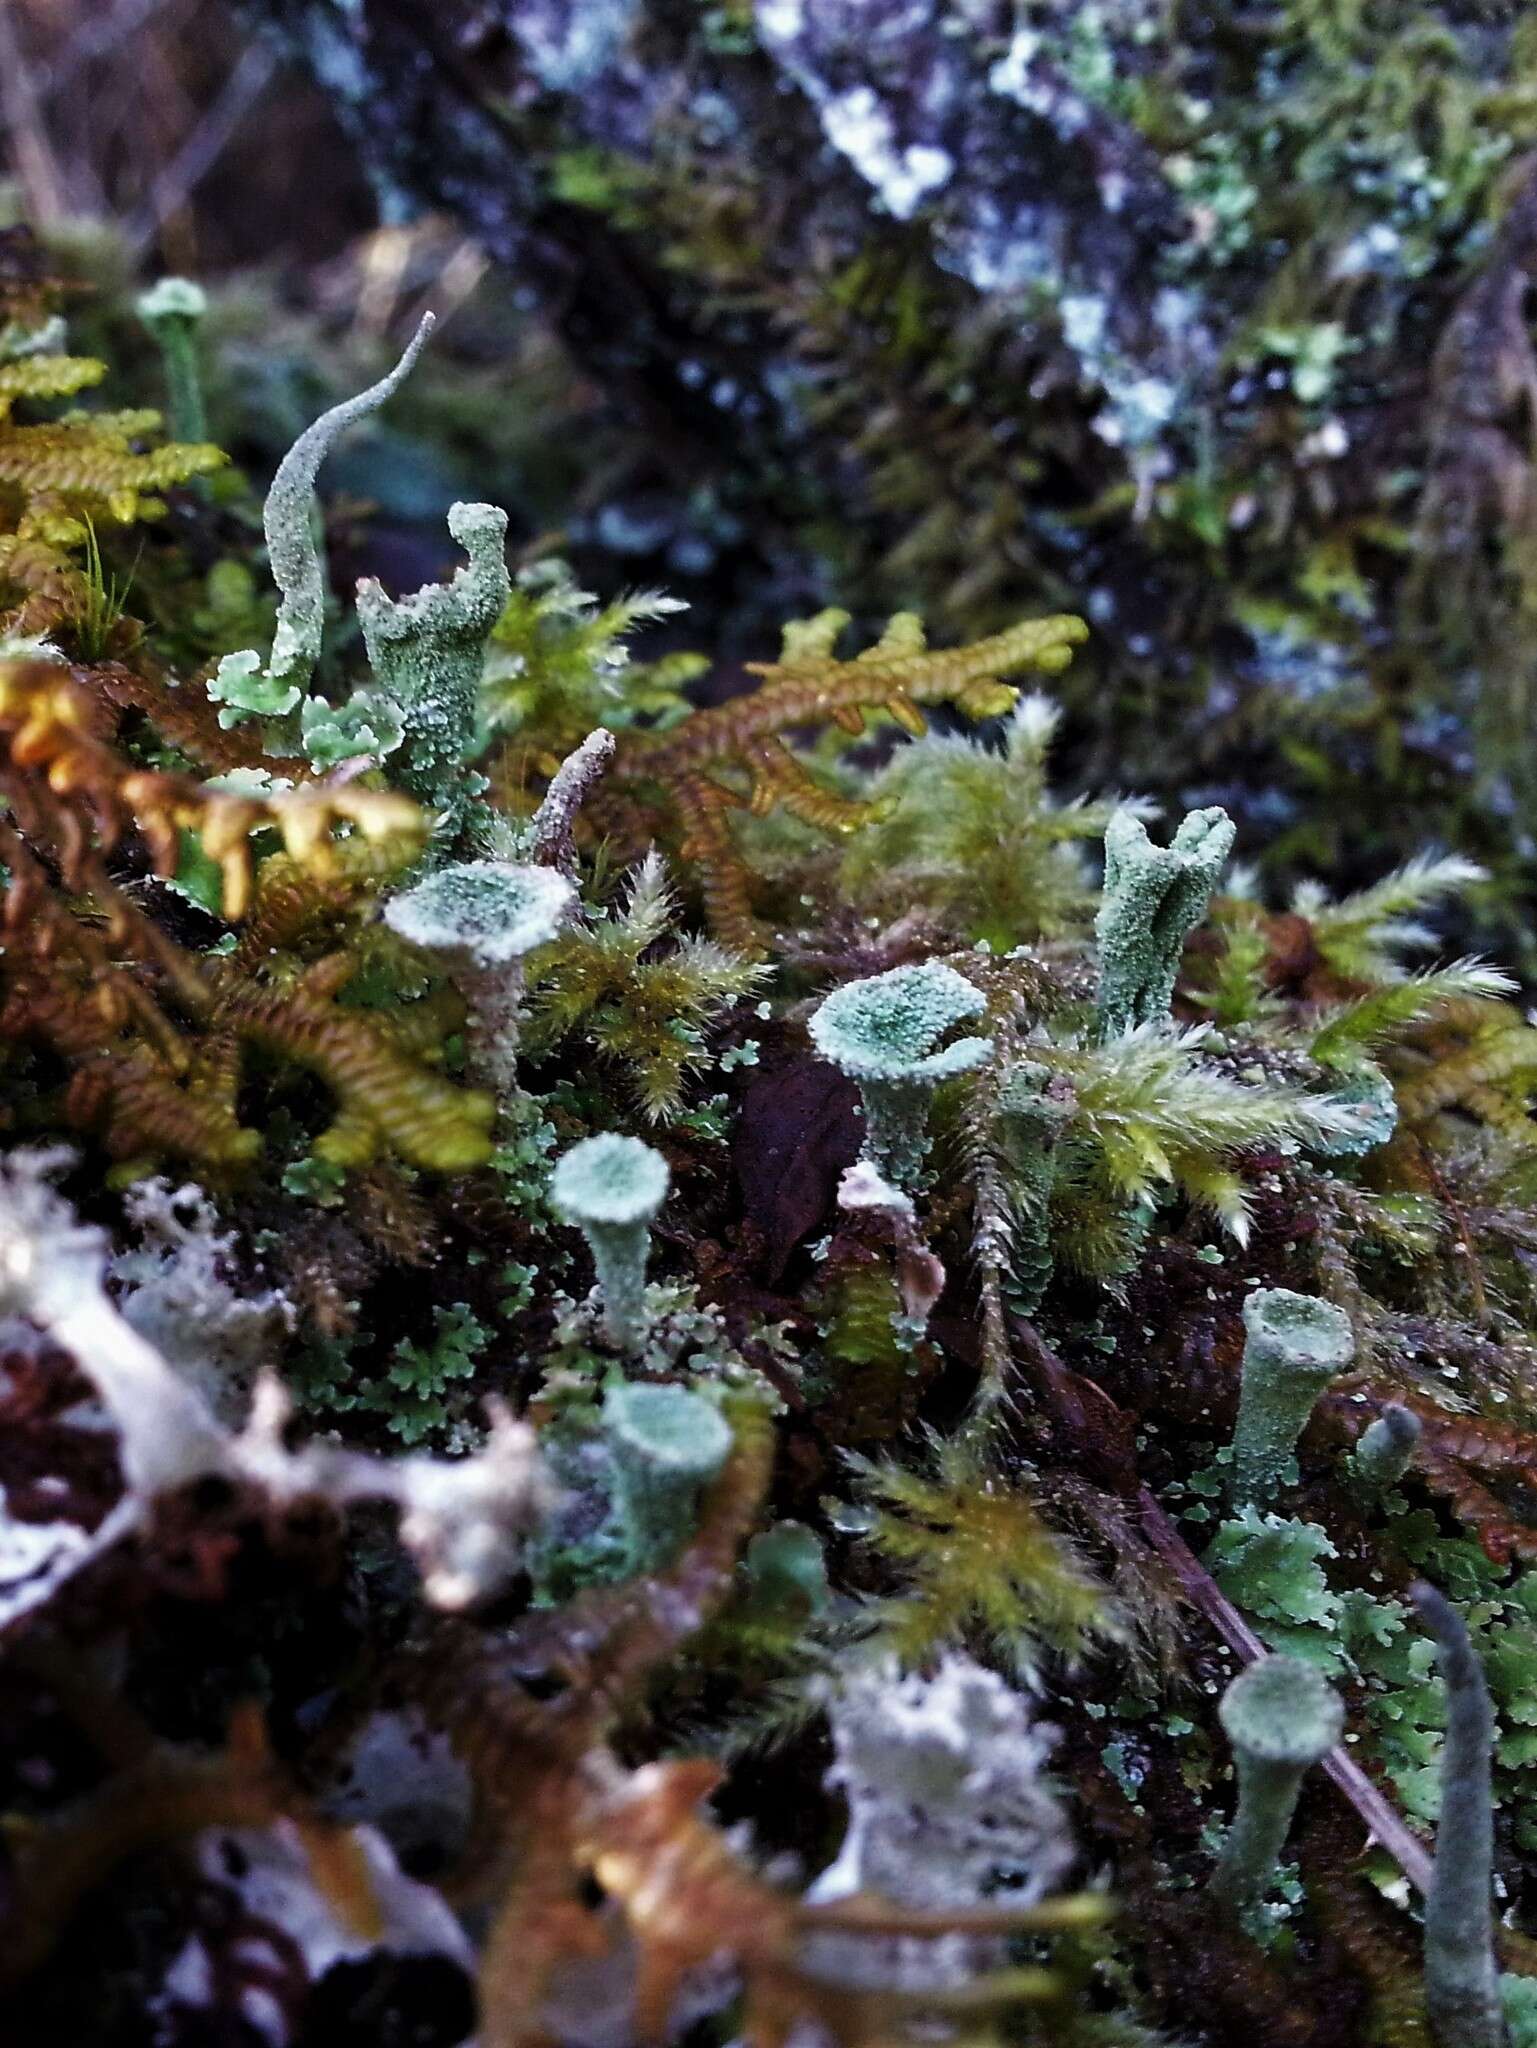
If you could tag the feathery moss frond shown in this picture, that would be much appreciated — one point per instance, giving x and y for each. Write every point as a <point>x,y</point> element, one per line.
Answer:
<point>1396,1007</point>
<point>647,1012</point>
<point>977,1560</point>
<point>808,686</point>
<point>1160,1114</point>
<point>1360,936</point>
<point>974,832</point>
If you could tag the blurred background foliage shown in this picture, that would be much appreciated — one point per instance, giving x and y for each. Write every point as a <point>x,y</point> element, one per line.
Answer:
<point>1210,322</point>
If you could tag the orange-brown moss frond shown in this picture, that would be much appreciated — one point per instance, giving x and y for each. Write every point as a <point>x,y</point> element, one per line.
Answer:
<point>55,723</point>
<point>1488,1066</point>
<point>384,1099</point>
<point>62,477</point>
<point>46,377</point>
<point>153,1034</point>
<point>84,465</point>
<point>188,717</point>
<point>168,1796</point>
<point>807,687</point>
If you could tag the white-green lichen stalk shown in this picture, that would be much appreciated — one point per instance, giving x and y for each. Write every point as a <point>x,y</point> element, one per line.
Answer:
<point>173,310</point>
<point>1462,1983</point>
<point>1282,1717</point>
<point>482,917</point>
<point>886,1034</point>
<point>611,1187</point>
<point>1294,1346</point>
<point>427,652</point>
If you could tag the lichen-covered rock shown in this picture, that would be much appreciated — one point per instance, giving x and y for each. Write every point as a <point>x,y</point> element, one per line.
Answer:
<point>955,304</point>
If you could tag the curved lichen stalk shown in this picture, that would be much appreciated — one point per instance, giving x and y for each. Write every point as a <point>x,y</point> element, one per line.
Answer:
<point>1462,1985</point>
<point>296,565</point>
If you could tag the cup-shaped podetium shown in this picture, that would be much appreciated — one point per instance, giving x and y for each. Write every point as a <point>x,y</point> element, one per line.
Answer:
<point>887,1034</point>
<point>1281,1716</point>
<point>489,912</point>
<point>611,1187</point>
<point>483,916</point>
<point>1154,897</point>
<point>1294,1346</point>
<point>667,1445</point>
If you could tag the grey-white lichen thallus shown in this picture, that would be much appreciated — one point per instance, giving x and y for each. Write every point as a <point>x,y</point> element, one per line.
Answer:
<point>1294,1346</point>
<point>483,917</point>
<point>611,1187</point>
<point>1154,898</point>
<point>464,1519</point>
<point>667,1445</point>
<point>1282,1717</point>
<point>886,1034</point>
<point>1462,1985</point>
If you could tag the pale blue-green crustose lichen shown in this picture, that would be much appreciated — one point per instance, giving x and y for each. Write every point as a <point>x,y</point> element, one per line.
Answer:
<point>611,1187</point>
<point>1294,1345</point>
<point>173,310</point>
<point>885,1033</point>
<point>1154,898</point>
<point>1282,1717</point>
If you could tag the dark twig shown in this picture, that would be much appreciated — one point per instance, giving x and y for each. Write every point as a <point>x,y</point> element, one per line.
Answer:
<point>206,144</point>
<point>1380,1816</point>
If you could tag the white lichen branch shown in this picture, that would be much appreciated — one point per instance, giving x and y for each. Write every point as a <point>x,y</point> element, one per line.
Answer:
<point>463,1520</point>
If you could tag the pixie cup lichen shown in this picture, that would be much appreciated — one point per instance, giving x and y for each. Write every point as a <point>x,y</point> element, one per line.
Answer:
<point>1282,1717</point>
<point>611,1187</point>
<point>886,1034</point>
<point>667,1445</point>
<point>242,686</point>
<point>1462,1983</point>
<point>483,916</point>
<point>1295,1345</point>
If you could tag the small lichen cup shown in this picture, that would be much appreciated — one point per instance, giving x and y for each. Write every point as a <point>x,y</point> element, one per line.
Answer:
<point>667,1445</point>
<point>1385,1448</point>
<point>1295,1345</point>
<point>483,917</point>
<point>1282,1716</point>
<point>885,1032</point>
<point>1154,897</point>
<point>610,1187</point>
